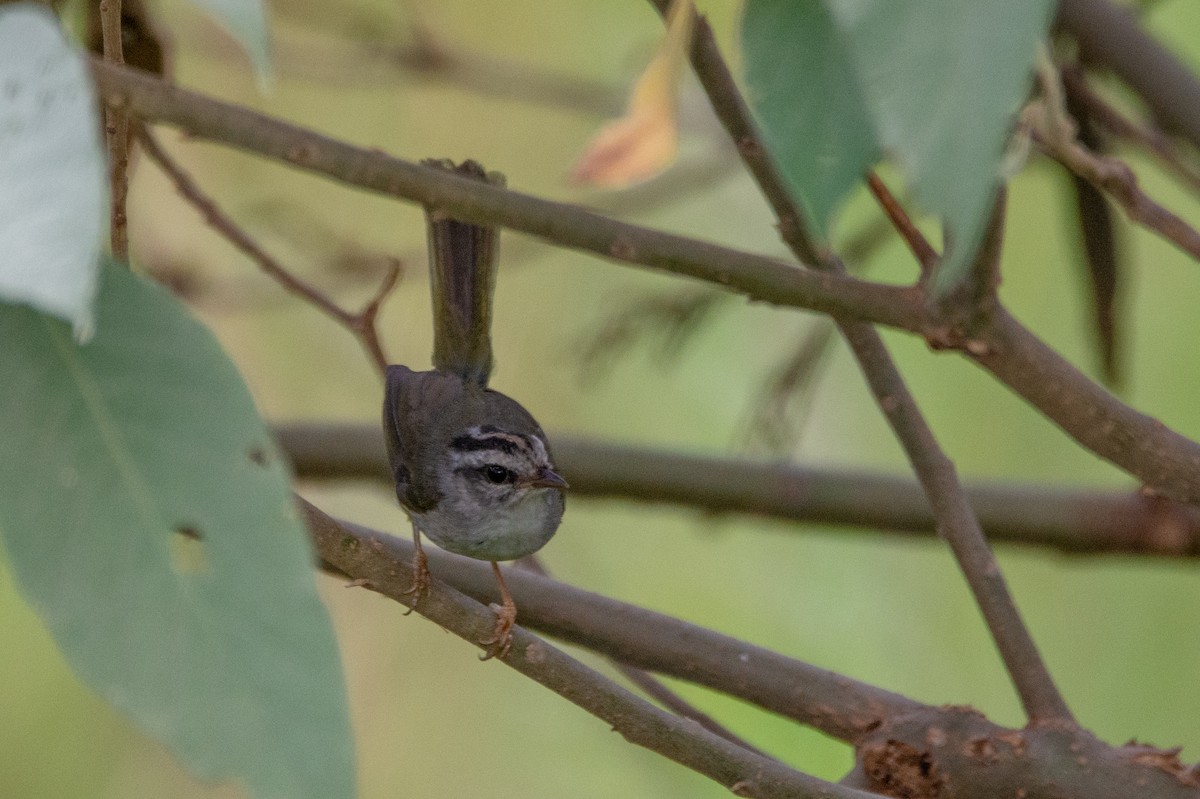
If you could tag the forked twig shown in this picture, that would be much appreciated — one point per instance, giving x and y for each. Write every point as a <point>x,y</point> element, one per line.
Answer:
<point>361,324</point>
<point>1057,135</point>
<point>1153,140</point>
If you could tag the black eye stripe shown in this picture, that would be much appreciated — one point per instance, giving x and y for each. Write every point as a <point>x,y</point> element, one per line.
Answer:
<point>500,442</point>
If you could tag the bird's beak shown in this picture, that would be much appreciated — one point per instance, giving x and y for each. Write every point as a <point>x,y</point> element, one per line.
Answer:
<point>546,478</point>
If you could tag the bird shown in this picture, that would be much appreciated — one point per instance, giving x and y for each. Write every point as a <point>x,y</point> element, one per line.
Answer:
<point>473,469</point>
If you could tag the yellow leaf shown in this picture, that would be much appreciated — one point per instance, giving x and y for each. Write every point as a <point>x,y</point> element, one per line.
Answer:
<point>643,142</point>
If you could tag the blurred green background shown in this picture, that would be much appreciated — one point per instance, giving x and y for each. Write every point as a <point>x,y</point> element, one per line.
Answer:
<point>1120,634</point>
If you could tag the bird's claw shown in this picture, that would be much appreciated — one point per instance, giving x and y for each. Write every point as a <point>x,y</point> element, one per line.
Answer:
<point>420,586</point>
<point>501,640</point>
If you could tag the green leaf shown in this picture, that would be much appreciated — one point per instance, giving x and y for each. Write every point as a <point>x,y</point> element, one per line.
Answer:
<point>804,88</point>
<point>147,517</point>
<point>246,21</point>
<point>53,179</point>
<point>943,79</point>
<point>933,82</point>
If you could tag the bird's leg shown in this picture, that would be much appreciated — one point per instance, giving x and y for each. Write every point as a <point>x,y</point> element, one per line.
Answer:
<point>420,567</point>
<point>506,615</point>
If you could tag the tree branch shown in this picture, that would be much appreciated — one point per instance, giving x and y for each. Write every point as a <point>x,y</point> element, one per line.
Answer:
<point>382,564</point>
<point>758,277</point>
<point>1057,134</point>
<point>918,245</point>
<point>956,520</point>
<point>833,703</point>
<point>1153,140</point>
<point>655,688</point>
<point>958,525</point>
<point>1142,445</point>
<point>904,748</point>
<point>1110,36</point>
<point>361,325</point>
<point>1072,521</point>
<point>1014,351</point>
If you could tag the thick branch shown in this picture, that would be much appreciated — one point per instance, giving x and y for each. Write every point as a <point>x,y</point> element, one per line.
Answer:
<point>835,704</point>
<point>903,747</point>
<point>954,751</point>
<point>384,565</point>
<point>1144,446</point>
<point>758,277</point>
<point>1074,521</point>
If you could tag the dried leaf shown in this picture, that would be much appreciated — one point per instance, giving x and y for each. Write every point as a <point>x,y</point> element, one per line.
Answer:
<point>644,142</point>
<point>1097,230</point>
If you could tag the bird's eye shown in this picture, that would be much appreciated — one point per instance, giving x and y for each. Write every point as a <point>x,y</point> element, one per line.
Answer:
<point>497,474</point>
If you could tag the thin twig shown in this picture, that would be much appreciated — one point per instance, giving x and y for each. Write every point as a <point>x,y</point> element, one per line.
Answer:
<point>361,325</point>
<point>657,690</point>
<point>505,78</point>
<point>935,471</point>
<point>783,400</point>
<point>364,320</point>
<point>1109,35</point>
<point>1117,180</point>
<point>970,306</point>
<point>356,63</point>
<point>926,256</point>
<point>1153,140</point>
<point>116,127</point>
<point>671,318</point>
<point>379,563</point>
<point>1057,135</point>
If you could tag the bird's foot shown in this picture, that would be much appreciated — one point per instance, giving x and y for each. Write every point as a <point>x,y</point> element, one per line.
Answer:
<point>501,640</point>
<point>420,575</point>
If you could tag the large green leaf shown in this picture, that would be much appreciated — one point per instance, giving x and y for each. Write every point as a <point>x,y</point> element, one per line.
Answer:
<point>147,517</point>
<point>53,180</point>
<point>943,79</point>
<point>933,82</point>
<point>804,87</point>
